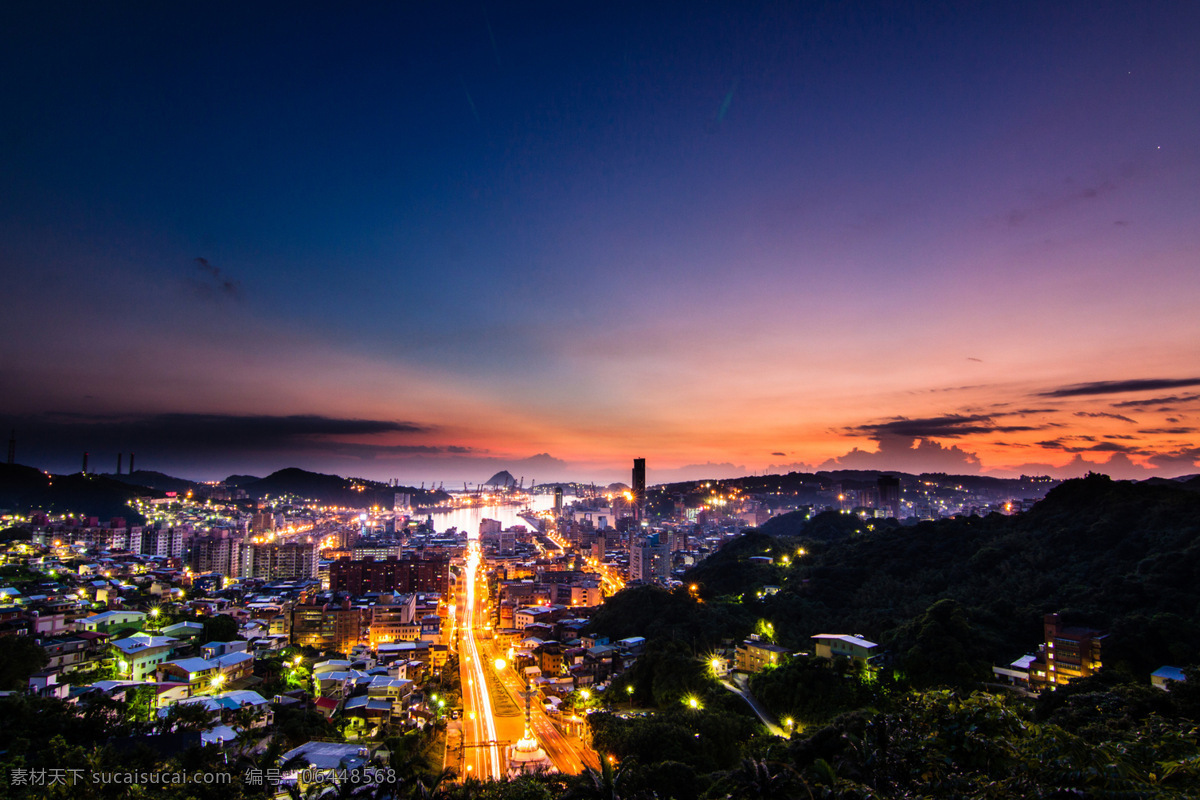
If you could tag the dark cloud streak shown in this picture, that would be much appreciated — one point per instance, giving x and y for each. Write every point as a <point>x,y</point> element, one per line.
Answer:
<point>1120,387</point>
<point>1156,401</point>
<point>55,434</point>
<point>1104,415</point>
<point>221,282</point>
<point>949,426</point>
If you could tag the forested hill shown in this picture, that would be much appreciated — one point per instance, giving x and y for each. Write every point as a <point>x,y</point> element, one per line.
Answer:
<point>1114,555</point>
<point>23,489</point>
<point>336,490</point>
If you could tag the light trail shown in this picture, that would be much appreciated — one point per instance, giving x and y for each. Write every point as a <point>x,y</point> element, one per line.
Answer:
<point>484,722</point>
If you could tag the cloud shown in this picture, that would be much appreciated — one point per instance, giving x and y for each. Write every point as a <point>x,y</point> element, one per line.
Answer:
<point>972,358</point>
<point>1120,387</point>
<point>948,427</point>
<point>179,436</point>
<point>1158,401</point>
<point>1120,467</point>
<point>895,453</point>
<point>1167,431</point>
<point>212,446</point>
<point>795,466</point>
<point>1066,444</point>
<point>1103,414</point>
<point>779,454</point>
<point>1182,461</point>
<point>1065,200</point>
<point>697,472</point>
<point>216,280</point>
<point>1114,447</point>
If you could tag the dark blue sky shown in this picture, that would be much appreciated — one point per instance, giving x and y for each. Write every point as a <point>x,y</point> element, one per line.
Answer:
<point>694,232</point>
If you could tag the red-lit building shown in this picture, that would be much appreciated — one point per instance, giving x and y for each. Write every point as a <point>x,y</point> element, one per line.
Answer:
<point>392,574</point>
<point>1068,653</point>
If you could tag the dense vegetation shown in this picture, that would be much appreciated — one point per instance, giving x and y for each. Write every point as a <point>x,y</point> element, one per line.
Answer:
<point>948,599</point>
<point>1113,555</point>
<point>25,488</point>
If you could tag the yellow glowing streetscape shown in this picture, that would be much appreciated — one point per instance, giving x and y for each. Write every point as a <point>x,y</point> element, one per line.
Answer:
<point>482,721</point>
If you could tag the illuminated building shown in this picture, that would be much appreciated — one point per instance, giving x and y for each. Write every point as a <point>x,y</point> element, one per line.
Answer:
<point>889,495</point>
<point>753,654</point>
<point>649,560</point>
<point>639,488</point>
<point>840,645</point>
<point>220,553</point>
<point>390,575</point>
<point>327,626</point>
<point>1067,653</point>
<point>394,619</point>
<point>279,561</point>
<point>138,656</point>
<point>162,541</point>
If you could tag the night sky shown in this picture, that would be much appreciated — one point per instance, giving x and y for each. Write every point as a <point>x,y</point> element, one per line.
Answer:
<point>431,240</point>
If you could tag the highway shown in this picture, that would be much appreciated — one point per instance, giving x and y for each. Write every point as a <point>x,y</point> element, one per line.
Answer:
<point>481,757</point>
<point>569,754</point>
<point>484,731</point>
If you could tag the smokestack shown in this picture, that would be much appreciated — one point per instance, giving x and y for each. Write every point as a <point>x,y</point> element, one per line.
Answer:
<point>120,457</point>
<point>131,463</point>
<point>85,455</point>
<point>12,446</point>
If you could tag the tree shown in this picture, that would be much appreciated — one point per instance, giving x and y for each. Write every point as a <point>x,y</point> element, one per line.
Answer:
<point>219,628</point>
<point>184,717</point>
<point>945,650</point>
<point>20,657</point>
<point>601,784</point>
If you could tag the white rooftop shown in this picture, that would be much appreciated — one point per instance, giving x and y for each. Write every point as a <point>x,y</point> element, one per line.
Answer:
<point>858,641</point>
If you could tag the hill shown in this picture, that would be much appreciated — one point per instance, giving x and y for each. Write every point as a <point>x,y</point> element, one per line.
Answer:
<point>25,489</point>
<point>1114,555</point>
<point>502,480</point>
<point>155,480</point>
<point>336,490</point>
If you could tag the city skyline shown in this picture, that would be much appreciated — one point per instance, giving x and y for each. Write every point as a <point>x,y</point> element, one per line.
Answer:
<point>436,243</point>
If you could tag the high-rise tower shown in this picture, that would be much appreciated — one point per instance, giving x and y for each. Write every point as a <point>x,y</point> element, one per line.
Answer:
<point>639,488</point>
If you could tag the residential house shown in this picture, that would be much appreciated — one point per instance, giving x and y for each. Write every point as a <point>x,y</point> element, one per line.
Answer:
<point>139,656</point>
<point>841,645</point>
<point>754,654</point>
